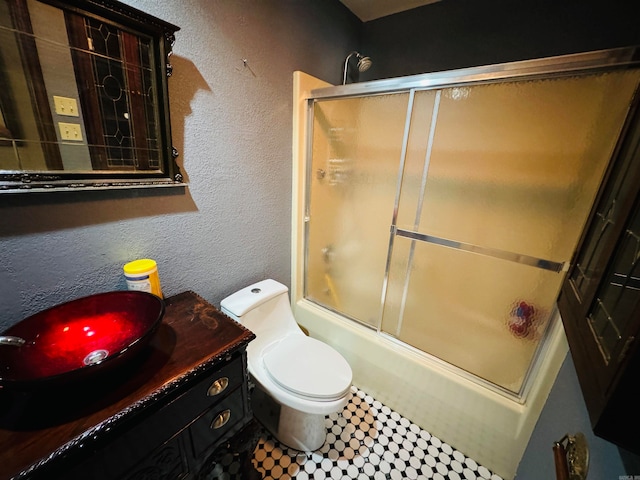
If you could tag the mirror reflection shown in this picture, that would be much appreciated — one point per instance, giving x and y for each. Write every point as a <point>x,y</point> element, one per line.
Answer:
<point>83,92</point>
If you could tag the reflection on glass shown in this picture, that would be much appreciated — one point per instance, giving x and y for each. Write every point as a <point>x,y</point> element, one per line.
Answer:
<point>79,93</point>
<point>122,90</point>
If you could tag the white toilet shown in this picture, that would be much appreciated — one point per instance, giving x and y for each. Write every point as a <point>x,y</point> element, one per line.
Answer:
<point>299,380</point>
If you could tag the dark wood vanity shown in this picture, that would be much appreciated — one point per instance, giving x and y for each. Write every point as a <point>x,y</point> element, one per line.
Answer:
<point>166,414</point>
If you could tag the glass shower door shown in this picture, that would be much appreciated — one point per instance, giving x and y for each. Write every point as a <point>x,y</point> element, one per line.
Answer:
<point>446,217</point>
<point>482,246</point>
<point>356,150</point>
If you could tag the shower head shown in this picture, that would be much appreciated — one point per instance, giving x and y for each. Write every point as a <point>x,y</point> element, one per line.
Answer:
<point>364,63</point>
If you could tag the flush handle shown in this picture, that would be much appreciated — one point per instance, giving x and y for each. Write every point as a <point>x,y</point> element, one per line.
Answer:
<point>218,387</point>
<point>221,420</point>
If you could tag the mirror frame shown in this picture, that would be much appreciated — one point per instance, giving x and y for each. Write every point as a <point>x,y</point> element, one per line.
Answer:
<point>162,35</point>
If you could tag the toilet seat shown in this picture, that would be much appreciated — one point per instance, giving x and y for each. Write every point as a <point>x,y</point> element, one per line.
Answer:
<point>308,368</point>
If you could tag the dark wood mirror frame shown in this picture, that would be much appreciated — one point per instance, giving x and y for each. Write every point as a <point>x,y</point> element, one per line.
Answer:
<point>107,63</point>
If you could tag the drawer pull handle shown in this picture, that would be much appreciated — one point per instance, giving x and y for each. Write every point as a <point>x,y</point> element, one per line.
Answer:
<point>221,420</point>
<point>218,387</point>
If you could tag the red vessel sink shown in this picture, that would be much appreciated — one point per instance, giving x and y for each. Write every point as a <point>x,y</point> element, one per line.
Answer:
<point>80,338</point>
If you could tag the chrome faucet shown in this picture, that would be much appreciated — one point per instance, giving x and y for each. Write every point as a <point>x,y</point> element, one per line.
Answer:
<point>11,340</point>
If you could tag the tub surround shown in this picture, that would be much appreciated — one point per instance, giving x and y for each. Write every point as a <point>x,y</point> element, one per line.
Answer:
<point>170,402</point>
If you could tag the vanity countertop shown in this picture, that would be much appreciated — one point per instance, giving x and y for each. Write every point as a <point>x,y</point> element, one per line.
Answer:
<point>40,429</point>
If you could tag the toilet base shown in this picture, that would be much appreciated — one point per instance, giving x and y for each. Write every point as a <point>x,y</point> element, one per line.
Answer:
<point>302,431</point>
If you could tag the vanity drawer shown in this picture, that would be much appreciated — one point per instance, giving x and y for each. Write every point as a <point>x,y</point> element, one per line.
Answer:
<point>216,386</point>
<point>217,421</point>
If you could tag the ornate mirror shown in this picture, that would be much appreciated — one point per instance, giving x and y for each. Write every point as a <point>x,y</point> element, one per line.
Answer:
<point>83,96</point>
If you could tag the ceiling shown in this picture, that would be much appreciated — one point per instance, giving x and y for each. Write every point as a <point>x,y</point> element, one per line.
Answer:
<point>367,10</point>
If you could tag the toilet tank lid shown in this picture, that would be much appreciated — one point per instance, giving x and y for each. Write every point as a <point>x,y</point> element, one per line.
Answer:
<point>252,296</point>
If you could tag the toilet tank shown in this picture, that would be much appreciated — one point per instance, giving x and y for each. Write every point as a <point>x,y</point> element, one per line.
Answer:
<point>263,305</point>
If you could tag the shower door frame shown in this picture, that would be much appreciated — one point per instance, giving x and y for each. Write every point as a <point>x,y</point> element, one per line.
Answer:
<point>550,67</point>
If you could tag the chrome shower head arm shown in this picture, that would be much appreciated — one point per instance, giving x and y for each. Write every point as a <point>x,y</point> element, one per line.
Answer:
<point>363,64</point>
<point>346,65</point>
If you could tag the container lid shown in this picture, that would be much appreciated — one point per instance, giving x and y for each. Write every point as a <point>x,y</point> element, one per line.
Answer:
<point>308,368</point>
<point>139,266</point>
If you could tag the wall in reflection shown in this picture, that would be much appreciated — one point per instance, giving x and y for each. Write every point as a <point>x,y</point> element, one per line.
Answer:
<point>81,93</point>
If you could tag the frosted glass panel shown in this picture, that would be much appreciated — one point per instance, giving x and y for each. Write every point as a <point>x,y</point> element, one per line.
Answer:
<point>515,166</point>
<point>481,314</point>
<point>357,147</point>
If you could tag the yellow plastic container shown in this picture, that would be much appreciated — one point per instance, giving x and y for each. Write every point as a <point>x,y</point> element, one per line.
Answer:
<point>142,275</point>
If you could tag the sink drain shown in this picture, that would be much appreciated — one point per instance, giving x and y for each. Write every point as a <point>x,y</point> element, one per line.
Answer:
<point>95,357</point>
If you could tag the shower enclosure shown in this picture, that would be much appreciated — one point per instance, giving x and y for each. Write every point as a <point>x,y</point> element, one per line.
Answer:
<point>442,210</point>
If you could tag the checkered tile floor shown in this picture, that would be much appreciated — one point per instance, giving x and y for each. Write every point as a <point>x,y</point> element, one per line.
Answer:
<point>367,440</point>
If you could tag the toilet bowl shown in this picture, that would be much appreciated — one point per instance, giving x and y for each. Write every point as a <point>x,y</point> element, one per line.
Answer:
<point>298,379</point>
